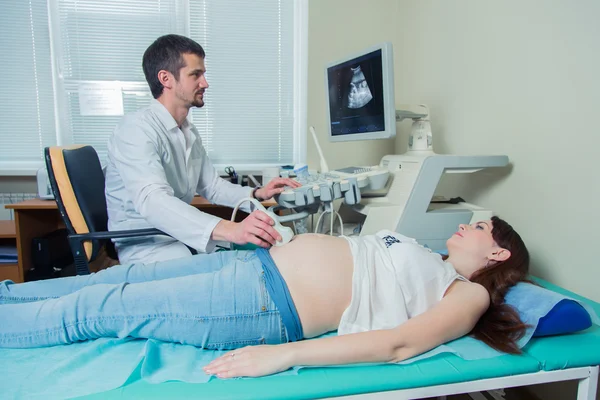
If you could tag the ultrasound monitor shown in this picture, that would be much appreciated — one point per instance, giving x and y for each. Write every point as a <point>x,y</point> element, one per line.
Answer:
<point>360,91</point>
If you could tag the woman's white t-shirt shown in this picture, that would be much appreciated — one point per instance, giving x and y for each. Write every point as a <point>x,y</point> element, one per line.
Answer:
<point>394,279</point>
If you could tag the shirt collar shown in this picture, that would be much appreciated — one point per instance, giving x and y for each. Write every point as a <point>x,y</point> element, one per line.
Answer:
<point>165,116</point>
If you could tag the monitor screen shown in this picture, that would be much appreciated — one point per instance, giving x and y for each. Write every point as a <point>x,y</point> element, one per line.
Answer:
<point>361,96</point>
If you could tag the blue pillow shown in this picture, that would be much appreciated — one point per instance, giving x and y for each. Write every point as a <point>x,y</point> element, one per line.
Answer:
<point>548,312</point>
<point>567,316</point>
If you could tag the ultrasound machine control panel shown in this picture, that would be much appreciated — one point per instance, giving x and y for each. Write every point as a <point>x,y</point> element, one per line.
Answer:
<point>345,184</point>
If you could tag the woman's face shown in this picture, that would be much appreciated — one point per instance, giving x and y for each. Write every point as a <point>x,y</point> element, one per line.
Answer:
<point>475,240</point>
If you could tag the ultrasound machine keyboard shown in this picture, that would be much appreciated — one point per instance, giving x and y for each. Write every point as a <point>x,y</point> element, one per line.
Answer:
<point>345,183</point>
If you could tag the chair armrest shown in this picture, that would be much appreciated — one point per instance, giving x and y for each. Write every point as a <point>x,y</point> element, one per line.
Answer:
<point>76,243</point>
<point>117,234</point>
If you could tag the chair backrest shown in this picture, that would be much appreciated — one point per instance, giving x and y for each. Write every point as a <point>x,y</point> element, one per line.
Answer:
<point>77,181</point>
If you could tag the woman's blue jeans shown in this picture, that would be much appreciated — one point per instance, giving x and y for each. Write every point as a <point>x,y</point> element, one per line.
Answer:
<point>214,301</point>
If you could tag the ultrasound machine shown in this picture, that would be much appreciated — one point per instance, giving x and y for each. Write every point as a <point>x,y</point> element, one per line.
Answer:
<point>397,193</point>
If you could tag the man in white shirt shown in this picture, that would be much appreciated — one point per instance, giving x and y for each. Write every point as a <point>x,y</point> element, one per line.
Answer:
<point>156,163</point>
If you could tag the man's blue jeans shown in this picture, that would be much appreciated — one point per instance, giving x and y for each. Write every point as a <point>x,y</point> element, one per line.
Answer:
<point>213,301</point>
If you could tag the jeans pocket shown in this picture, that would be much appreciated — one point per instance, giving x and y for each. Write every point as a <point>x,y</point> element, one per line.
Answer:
<point>235,344</point>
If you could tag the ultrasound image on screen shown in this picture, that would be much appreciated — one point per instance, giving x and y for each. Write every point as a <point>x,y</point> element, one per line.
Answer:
<point>356,95</point>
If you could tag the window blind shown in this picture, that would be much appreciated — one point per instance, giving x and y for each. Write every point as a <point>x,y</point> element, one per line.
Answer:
<point>100,50</point>
<point>27,121</point>
<point>248,113</point>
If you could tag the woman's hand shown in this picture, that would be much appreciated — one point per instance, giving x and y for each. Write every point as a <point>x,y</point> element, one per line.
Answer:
<point>251,361</point>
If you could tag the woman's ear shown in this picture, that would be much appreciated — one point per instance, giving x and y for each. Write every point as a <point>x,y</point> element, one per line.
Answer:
<point>499,254</point>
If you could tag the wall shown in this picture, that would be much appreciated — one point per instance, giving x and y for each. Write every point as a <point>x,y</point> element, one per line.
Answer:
<point>18,184</point>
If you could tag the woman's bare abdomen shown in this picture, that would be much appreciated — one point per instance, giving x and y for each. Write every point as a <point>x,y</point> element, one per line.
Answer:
<point>318,272</point>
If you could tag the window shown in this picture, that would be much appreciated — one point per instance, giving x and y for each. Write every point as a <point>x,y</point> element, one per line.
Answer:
<point>256,56</point>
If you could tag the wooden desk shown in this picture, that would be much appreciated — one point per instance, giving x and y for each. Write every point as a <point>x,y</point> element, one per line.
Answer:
<point>35,218</point>
<point>8,237</point>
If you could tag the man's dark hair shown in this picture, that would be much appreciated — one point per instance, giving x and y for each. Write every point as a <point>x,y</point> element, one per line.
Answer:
<point>166,53</point>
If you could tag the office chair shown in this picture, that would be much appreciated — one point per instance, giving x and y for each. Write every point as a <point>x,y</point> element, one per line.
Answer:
<point>77,181</point>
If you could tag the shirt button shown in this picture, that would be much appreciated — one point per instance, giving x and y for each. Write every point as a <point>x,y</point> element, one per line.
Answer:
<point>263,308</point>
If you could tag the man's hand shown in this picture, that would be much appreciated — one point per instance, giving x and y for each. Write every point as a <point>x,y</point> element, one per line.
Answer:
<point>275,186</point>
<point>256,228</point>
<point>250,361</point>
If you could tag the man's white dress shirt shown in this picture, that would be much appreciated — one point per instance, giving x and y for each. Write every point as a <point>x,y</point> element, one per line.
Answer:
<point>153,170</point>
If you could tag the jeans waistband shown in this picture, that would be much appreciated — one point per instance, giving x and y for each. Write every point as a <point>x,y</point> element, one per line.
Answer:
<point>280,294</point>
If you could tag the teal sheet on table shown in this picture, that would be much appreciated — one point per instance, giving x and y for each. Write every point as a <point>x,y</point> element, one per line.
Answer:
<point>99,366</point>
<point>95,366</point>
<point>68,371</point>
<point>311,383</point>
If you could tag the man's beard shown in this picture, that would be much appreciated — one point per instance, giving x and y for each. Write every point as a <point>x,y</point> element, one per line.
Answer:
<point>195,102</point>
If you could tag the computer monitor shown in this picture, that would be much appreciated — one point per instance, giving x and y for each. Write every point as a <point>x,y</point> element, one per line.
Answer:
<point>360,90</point>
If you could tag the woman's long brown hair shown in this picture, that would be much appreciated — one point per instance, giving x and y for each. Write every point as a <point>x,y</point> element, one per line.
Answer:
<point>500,327</point>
